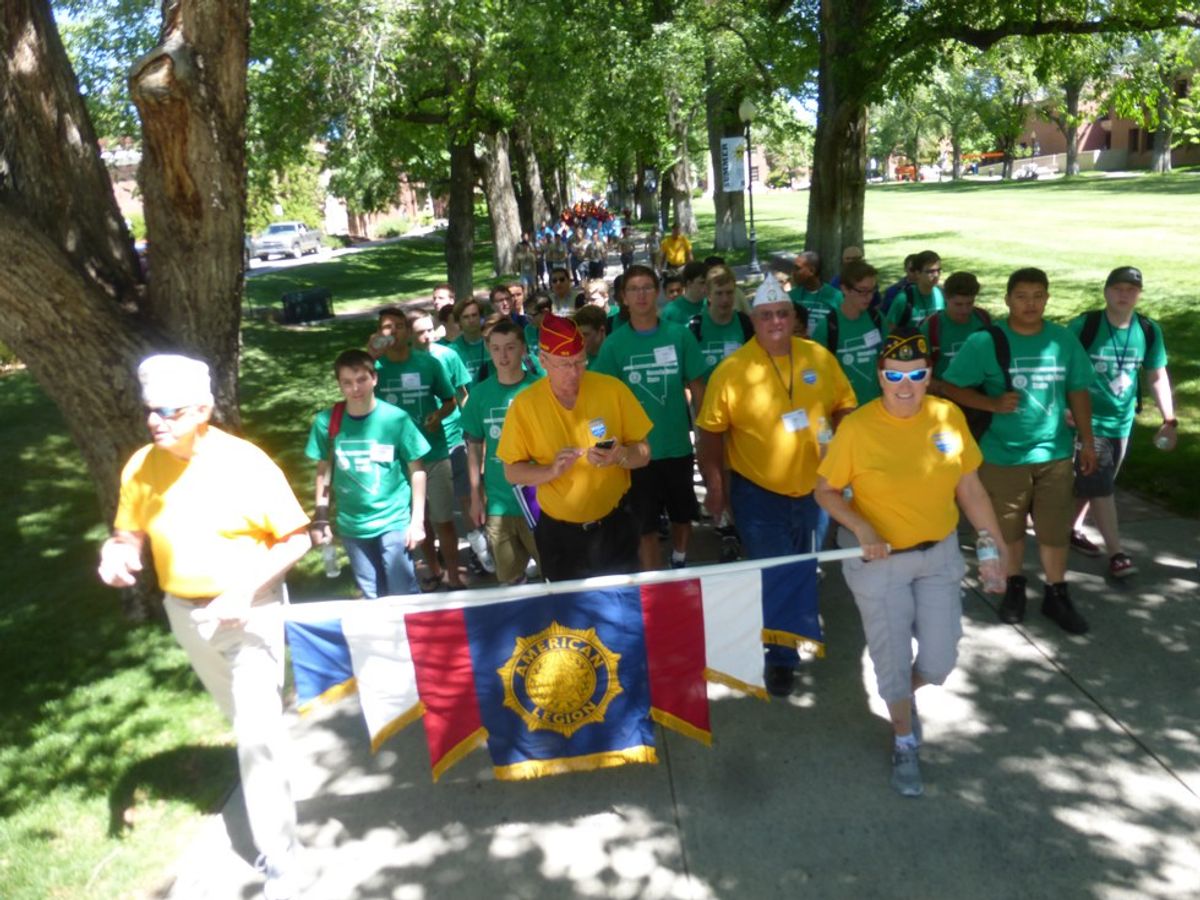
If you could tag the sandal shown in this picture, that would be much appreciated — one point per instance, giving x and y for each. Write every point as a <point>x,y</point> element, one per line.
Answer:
<point>430,583</point>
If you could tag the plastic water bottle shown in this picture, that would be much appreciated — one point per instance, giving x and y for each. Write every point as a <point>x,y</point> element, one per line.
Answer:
<point>988,555</point>
<point>329,557</point>
<point>1162,442</point>
<point>824,434</point>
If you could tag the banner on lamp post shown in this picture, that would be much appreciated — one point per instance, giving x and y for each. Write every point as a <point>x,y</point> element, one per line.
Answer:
<point>733,173</point>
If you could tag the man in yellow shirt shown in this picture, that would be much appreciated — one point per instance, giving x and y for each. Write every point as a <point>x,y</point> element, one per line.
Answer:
<point>676,249</point>
<point>768,410</point>
<point>575,435</point>
<point>224,527</point>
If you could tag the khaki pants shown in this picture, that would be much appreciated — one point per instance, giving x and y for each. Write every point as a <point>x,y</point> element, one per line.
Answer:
<point>242,668</point>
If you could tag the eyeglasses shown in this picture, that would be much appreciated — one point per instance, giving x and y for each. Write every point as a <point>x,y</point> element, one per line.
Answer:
<point>557,280</point>
<point>916,376</point>
<point>773,313</point>
<point>863,291</point>
<point>166,413</point>
<point>932,271</point>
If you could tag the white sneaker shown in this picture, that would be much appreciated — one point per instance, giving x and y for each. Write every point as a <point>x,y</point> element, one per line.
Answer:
<point>906,772</point>
<point>280,875</point>
<point>478,541</point>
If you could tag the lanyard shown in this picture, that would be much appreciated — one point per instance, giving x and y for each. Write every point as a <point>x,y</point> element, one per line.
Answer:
<point>1123,353</point>
<point>791,372</point>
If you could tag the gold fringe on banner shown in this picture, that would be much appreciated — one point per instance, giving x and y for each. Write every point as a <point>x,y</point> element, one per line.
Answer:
<point>330,696</point>
<point>535,768</point>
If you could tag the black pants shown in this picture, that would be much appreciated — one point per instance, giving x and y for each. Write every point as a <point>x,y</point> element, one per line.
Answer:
<point>569,551</point>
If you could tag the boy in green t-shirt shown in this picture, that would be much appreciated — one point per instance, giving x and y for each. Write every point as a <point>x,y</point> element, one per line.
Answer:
<point>691,302</point>
<point>949,328</point>
<point>373,471</point>
<point>917,301</point>
<point>418,384</point>
<point>808,291</point>
<point>853,333</point>
<point>1028,447</point>
<point>494,506</point>
<point>658,361</point>
<point>1119,342</point>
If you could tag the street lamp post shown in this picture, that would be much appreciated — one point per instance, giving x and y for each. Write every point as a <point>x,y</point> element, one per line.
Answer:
<point>746,114</point>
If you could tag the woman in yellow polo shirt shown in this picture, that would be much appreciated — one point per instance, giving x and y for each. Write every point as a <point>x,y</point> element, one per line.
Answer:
<point>906,458</point>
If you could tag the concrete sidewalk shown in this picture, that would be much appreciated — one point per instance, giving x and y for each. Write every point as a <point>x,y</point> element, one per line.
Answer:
<point>1054,766</point>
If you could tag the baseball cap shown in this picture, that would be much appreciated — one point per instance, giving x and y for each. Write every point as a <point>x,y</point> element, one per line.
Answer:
<point>1124,275</point>
<point>559,336</point>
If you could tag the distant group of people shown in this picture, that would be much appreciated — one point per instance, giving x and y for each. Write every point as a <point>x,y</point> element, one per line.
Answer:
<point>565,430</point>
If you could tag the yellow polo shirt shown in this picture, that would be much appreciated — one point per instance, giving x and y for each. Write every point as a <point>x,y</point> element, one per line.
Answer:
<point>675,250</point>
<point>770,410</point>
<point>904,472</point>
<point>211,518</point>
<point>537,427</point>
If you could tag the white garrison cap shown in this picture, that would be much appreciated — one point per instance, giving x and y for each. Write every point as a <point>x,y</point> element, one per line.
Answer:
<point>171,380</point>
<point>770,291</point>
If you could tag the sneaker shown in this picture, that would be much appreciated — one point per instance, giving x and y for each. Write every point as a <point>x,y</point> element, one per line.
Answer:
<point>917,731</point>
<point>280,883</point>
<point>1057,607</point>
<point>1080,542</point>
<point>1012,605</point>
<point>906,772</point>
<point>1121,566</point>
<point>730,548</point>
<point>779,680</point>
<point>678,563</point>
<point>479,546</point>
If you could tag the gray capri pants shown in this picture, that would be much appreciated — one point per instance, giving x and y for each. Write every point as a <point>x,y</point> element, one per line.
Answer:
<point>910,595</point>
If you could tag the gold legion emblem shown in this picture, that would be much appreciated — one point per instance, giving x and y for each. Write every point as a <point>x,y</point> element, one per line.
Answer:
<point>560,679</point>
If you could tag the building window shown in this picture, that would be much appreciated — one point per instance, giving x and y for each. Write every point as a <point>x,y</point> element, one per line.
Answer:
<point>1135,140</point>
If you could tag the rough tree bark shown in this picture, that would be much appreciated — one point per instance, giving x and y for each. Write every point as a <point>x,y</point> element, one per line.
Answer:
<point>1160,152</point>
<point>679,123</point>
<point>496,168</point>
<point>460,217</point>
<point>531,175</point>
<point>721,118</point>
<point>836,197</point>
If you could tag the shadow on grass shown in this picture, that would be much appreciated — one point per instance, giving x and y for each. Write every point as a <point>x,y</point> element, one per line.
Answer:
<point>196,775</point>
<point>1143,183</point>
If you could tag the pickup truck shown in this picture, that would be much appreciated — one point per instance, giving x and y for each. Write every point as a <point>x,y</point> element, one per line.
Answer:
<point>288,238</point>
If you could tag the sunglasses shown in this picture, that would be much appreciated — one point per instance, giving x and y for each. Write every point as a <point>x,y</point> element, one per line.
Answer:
<point>916,376</point>
<point>166,412</point>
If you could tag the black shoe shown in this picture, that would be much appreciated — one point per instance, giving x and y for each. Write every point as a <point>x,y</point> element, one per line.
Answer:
<point>1058,607</point>
<point>1012,607</point>
<point>779,680</point>
<point>730,549</point>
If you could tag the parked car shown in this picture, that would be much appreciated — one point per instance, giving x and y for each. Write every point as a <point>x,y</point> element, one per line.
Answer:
<point>288,238</point>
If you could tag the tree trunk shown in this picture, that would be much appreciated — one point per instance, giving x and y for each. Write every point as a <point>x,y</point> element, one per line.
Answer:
<point>647,199</point>
<point>501,202</point>
<point>720,114</point>
<point>1072,94</point>
<point>76,311</point>
<point>460,228</point>
<point>531,176</point>
<point>839,177</point>
<point>679,125</point>
<point>956,158</point>
<point>1160,153</point>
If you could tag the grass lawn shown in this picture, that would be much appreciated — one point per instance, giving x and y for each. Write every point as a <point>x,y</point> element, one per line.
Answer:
<point>110,748</point>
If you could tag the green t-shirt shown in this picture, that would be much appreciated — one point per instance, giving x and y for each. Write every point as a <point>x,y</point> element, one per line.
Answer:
<point>656,365</point>
<point>818,304</point>
<point>718,341</point>
<point>858,344</point>
<point>483,418</point>
<point>1044,368</point>
<point>923,305</point>
<point>459,379</point>
<point>370,472</point>
<point>419,386</point>
<point>472,355</point>
<point>951,337</point>
<point>681,309</point>
<point>1116,355</point>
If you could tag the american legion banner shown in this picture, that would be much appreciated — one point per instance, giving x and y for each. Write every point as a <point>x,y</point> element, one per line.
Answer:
<point>556,677</point>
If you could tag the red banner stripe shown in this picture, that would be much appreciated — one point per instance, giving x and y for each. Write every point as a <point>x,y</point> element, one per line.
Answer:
<point>441,658</point>
<point>673,616</point>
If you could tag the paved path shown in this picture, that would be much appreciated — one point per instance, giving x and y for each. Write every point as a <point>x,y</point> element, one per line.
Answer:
<point>1054,767</point>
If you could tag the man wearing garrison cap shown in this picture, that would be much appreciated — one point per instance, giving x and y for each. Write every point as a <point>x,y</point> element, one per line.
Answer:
<point>575,435</point>
<point>224,527</point>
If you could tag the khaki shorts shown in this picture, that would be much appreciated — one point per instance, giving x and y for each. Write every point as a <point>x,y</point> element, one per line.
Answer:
<point>1045,490</point>
<point>512,546</point>
<point>439,491</point>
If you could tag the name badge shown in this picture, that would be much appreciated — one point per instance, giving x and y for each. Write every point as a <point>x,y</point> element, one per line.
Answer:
<point>871,338</point>
<point>383,453</point>
<point>796,420</point>
<point>1120,384</point>
<point>410,381</point>
<point>812,324</point>
<point>665,356</point>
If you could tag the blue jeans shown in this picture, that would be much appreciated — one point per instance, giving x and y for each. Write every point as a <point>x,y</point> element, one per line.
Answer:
<point>382,565</point>
<point>771,524</point>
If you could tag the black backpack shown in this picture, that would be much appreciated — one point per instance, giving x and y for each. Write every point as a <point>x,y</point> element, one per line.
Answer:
<point>1091,327</point>
<point>979,420</point>
<point>831,323</point>
<point>696,321</point>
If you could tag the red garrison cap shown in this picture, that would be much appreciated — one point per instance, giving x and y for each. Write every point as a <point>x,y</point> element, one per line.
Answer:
<point>559,336</point>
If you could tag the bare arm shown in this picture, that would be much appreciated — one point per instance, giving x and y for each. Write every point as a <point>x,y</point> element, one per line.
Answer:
<point>121,558</point>
<point>233,604</point>
<point>531,474</point>
<point>416,521</point>
<point>1081,411</point>
<point>834,502</point>
<point>1160,388</point>
<point>319,531</point>
<point>474,468</point>
<point>1004,403</point>
<point>435,418</point>
<point>710,456</point>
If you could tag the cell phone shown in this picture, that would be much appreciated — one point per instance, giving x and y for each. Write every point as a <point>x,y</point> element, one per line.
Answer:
<point>606,444</point>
